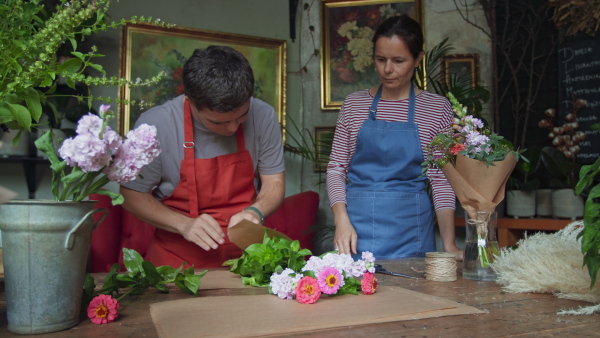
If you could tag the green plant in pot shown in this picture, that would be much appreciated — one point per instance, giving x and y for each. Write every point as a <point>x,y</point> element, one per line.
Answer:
<point>522,185</point>
<point>565,172</point>
<point>46,242</point>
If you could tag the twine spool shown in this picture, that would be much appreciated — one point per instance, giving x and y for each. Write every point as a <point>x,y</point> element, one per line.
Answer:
<point>440,266</point>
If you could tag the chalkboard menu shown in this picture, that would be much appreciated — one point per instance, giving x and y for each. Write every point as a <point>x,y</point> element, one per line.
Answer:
<point>579,78</point>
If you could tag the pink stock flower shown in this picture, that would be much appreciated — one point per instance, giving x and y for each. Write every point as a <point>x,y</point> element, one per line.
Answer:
<point>103,309</point>
<point>89,124</point>
<point>368,283</point>
<point>308,291</point>
<point>330,280</point>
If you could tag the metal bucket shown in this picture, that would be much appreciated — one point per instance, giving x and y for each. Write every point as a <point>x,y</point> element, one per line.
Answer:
<point>45,247</point>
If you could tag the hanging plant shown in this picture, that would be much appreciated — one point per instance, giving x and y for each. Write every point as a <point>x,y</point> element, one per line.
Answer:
<point>574,16</point>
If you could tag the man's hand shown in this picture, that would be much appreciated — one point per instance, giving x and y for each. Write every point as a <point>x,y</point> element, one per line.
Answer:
<point>244,215</point>
<point>204,231</point>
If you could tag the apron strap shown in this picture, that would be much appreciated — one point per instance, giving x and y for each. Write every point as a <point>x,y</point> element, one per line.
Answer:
<point>411,104</point>
<point>373,109</point>
<point>188,158</point>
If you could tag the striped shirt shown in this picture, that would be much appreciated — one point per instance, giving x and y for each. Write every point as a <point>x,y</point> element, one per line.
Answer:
<point>433,114</point>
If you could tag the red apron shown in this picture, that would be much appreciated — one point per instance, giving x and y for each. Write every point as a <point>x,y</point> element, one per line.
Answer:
<point>221,187</point>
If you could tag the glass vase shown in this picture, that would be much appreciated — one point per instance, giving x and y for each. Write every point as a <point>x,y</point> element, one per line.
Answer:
<point>481,245</point>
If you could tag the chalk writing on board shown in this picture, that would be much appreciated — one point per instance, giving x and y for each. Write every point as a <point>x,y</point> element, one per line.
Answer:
<point>579,78</point>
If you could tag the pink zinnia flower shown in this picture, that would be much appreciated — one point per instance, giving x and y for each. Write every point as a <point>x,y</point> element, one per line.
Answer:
<point>103,309</point>
<point>368,283</point>
<point>308,291</point>
<point>329,280</point>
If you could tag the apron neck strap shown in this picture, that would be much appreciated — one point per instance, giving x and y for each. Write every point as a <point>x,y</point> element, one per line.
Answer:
<point>188,158</point>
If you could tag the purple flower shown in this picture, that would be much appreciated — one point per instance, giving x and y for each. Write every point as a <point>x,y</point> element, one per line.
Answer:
<point>283,284</point>
<point>104,108</point>
<point>85,151</point>
<point>89,124</point>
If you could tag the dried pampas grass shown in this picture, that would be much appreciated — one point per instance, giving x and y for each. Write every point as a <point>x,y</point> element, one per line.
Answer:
<point>548,263</point>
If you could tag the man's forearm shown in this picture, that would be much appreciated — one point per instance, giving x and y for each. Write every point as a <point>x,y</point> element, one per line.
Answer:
<point>271,193</point>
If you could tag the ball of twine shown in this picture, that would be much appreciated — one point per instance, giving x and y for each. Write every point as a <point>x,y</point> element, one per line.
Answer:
<point>440,266</point>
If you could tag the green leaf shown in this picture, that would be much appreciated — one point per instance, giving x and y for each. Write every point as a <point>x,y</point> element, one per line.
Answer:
<point>133,261</point>
<point>151,273</point>
<point>21,115</point>
<point>32,99</point>
<point>70,66</point>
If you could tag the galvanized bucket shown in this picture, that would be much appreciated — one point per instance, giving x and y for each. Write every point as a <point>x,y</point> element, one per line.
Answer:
<point>45,247</point>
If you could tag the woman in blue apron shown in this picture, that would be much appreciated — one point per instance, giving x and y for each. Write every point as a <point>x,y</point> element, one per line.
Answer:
<point>377,151</point>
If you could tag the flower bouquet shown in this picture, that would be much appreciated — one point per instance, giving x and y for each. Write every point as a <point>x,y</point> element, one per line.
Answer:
<point>481,163</point>
<point>330,274</point>
<point>97,155</point>
<point>280,265</point>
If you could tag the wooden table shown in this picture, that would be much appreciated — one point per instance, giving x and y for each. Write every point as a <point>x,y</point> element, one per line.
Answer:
<point>509,314</point>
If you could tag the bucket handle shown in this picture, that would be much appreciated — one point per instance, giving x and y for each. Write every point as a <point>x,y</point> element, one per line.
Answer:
<point>70,235</point>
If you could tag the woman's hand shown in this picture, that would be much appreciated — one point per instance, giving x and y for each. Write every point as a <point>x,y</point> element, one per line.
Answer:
<point>345,238</point>
<point>345,235</point>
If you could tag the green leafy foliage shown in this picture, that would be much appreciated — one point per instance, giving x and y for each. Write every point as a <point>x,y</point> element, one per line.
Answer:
<point>564,170</point>
<point>260,260</point>
<point>33,34</point>
<point>590,235</point>
<point>141,275</point>
<point>521,178</point>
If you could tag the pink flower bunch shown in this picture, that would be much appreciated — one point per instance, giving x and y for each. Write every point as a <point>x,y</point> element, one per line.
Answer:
<point>97,147</point>
<point>96,150</point>
<point>330,274</point>
<point>103,309</point>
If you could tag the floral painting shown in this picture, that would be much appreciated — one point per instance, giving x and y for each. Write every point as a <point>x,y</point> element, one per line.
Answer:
<point>148,50</point>
<point>347,52</point>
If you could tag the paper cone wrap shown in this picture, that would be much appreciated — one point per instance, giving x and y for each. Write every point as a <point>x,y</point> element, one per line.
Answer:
<point>477,187</point>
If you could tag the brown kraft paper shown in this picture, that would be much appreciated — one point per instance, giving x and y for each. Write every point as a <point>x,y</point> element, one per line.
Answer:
<point>477,187</point>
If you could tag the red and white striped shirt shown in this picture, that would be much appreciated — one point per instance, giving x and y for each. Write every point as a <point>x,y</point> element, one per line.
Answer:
<point>433,114</point>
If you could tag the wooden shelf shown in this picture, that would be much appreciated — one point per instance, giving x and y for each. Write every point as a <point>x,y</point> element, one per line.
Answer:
<point>510,230</point>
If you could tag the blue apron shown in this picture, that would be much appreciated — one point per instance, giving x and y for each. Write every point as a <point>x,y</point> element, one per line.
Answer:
<point>386,195</point>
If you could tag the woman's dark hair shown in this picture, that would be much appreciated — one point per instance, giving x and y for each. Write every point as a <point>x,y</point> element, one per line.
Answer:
<point>218,78</point>
<point>405,28</point>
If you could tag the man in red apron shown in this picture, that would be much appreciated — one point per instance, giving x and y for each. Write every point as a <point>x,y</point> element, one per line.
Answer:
<point>221,162</point>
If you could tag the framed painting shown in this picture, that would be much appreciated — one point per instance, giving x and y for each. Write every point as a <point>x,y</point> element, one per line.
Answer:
<point>346,48</point>
<point>147,50</point>
<point>323,140</point>
<point>461,68</point>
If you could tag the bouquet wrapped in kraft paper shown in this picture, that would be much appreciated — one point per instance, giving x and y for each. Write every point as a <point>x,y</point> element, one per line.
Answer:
<point>477,163</point>
<point>479,187</point>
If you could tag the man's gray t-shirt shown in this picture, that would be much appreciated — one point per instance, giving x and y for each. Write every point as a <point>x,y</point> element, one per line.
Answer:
<point>262,134</point>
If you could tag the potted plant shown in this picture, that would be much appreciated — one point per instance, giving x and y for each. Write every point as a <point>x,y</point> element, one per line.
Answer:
<point>560,158</point>
<point>565,204</point>
<point>38,247</point>
<point>522,185</point>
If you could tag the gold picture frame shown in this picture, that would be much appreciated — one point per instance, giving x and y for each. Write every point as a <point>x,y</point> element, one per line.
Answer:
<point>323,140</point>
<point>461,67</point>
<point>347,29</point>
<point>147,50</point>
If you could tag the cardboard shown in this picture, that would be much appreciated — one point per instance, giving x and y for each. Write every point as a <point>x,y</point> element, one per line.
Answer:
<point>259,315</point>
<point>246,233</point>
<point>478,187</point>
<point>221,279</point>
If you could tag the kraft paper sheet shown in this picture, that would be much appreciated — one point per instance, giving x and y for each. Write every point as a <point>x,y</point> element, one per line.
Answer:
<point>262,315</point>
<point>478,187</point>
